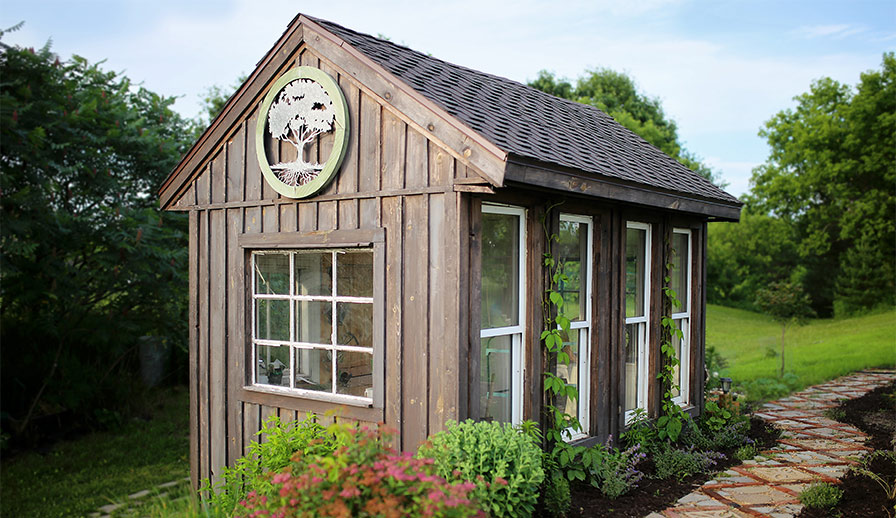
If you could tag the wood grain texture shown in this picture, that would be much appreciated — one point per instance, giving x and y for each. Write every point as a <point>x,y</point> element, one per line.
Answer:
<point>194,351</point>
<point>394,141</point>
<point>415,341</point>
<point>217,342</point>
<point>393,218</point>
<point>237,345</point>
<point>204,348</point>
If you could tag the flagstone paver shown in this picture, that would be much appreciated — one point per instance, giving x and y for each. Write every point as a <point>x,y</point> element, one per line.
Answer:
<point>812,448</point>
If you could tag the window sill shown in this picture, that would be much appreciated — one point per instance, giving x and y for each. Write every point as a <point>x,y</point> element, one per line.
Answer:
<point>302,403</point>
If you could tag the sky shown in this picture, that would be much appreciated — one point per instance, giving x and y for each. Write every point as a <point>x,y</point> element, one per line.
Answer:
<point>721,68</point>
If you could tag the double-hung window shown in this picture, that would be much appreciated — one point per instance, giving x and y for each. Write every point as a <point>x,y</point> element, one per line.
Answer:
<point>637,313</point>
<point>574,252</point>
<point>312,323</point>
<point>502,290</point>
<point>680,282</point>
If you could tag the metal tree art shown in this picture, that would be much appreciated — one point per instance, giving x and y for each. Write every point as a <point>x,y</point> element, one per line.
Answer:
<point>303,110</point>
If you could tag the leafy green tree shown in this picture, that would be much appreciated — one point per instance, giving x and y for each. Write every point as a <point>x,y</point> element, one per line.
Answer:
<point>214,100</point>
<point>88,262</point>
<point>830,175</point>
<point>617,95</point>
<point>787,303</point>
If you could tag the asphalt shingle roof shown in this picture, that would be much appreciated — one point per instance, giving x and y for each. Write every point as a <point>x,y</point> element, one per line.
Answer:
<point>531,124</point>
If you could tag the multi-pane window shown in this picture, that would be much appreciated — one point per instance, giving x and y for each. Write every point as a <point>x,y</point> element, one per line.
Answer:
<point>680,282</point>
<point>502,288</point>
<point>637,304</point>
<point>312,322</point>
<point>573,252</point>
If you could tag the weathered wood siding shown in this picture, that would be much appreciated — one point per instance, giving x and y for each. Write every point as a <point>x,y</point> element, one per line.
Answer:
<point>393,177</point>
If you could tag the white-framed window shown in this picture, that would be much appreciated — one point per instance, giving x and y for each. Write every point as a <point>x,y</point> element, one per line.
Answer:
<point>503,313</point>
<point>680,282</point>
<point>637,314</point>
<point>574,253</point>
<point>312,323</point>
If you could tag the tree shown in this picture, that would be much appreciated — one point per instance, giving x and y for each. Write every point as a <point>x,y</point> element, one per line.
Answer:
<point>88,263</point>
<point>303,110</point>
<point>830,175</point>
<point>617,95</point>
<point>786,303</point>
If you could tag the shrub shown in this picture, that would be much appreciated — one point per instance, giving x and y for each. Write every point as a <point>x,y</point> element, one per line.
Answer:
<point>251,472</point>
<point>362,478</point>
<point>684,462</point>
<point>556,497</point>
<point>821,496</point>
<point>612,470</point>
<point>765,389</point>
<point>641,432</point>
<point>503,463</point>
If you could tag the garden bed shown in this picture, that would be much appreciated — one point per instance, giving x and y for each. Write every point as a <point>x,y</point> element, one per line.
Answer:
<point>875,414</point>
<point>657,494</point>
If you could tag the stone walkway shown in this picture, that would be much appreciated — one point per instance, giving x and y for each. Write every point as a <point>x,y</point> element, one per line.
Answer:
<point>136,499</point>
<point>812,448</point>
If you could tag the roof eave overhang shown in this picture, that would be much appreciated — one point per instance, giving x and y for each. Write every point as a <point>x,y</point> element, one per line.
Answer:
<point>524,172</point>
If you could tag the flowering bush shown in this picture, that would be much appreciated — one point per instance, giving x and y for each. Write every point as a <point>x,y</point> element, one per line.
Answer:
<point>503,462</point>
<point>684,462</point>
<point>362,478</point>
<point>612,470</point>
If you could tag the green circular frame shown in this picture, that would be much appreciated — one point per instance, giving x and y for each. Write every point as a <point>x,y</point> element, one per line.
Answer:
<point>340,124</point>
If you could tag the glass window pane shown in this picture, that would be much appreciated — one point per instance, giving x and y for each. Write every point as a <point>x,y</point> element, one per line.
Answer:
<point>354,324</point>
<point>314,274</point>
<point>631,366</point>
<point>496,379</point>
<point>314,369</point>
<point>354,373</point>
<point>354,274</point>
<point>678,280</point>
<point>272,365</point>
<point>500,270</point>
<point>570,373</point>
<point>313,321</point>
<point>272,274</point>
<point>572,250</point>
<point>271,319</point>
<point>676,374</point>
<point>635,262</point>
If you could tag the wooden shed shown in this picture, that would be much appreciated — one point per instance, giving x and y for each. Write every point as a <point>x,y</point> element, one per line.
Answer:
<point>366,238</point>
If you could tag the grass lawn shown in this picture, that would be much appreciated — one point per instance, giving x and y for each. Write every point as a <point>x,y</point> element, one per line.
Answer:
<point>76,477</point>
<point>816,352</point>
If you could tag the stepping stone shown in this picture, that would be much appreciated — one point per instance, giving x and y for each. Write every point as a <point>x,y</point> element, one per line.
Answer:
<point>170,484</point>
<point>138,494</point>
<point>110,508</point>
<point>777,475</point>
<point>755,495</point>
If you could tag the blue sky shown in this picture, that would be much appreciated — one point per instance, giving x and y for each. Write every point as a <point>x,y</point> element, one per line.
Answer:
<point>721,68</point>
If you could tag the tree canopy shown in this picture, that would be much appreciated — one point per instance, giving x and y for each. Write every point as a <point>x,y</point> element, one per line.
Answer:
<point>617,95</point>
<point>88,262</point>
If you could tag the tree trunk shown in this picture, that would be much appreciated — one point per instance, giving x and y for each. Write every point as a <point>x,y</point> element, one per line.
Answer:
<point>783,327</point>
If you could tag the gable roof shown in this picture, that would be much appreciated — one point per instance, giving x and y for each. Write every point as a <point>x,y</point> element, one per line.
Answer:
<point>531,124</point>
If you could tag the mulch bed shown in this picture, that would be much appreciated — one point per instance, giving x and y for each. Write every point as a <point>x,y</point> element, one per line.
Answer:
<point>875,414</point>
<point>655,495</point>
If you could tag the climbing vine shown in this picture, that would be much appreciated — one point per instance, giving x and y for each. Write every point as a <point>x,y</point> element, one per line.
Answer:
<point>669,424</point>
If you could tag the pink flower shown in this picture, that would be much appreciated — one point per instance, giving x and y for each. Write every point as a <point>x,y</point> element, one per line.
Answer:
<point>501,481</point>
<point>349,492</point>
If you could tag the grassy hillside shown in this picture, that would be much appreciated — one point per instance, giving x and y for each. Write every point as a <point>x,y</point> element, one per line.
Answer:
<point>816,352</point>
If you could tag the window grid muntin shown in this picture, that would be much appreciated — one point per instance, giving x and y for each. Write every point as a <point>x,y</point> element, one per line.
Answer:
<point>333,347</point>
<point>643,333</point>
<point>515,332</point>
<point>584,330</point>
<point>683,321</point>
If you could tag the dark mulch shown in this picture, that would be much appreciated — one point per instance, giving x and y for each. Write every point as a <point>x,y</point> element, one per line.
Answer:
<point>874,414</point>
<point>655,495</point>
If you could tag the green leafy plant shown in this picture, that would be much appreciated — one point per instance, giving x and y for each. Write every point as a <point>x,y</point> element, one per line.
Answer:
<point>821,495</point>
<point>614,471</point>
<point>715,417</point>
<point>504,464</point>
<point>786,303</point>
<point>886,482</point>
<point>746,452</point>
<point>683,462</point>
<point>641,431</point>
<point>362,477</point>
<point>252,472</point>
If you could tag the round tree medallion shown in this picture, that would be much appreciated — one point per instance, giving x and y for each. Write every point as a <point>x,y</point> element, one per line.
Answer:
<point>302,105</point>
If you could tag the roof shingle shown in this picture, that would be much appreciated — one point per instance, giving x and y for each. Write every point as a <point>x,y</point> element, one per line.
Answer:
<point>531,124</point>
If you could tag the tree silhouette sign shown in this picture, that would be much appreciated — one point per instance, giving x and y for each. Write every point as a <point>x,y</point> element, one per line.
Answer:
<point>303,104</point>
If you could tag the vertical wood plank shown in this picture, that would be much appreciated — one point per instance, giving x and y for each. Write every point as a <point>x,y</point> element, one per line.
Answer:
<point>415,345</point>
<point>326,215</point>
<point>417,160</point>
<point>236,333</point>
<point>325,142</point>
<point>307,216</point>
<point>602,317</point>
<point>475,342</point>
<point>217,340</point>
<point>618,330</point>
<point>392,218</point>
<point>393,151</point>
<point>443,315</point>
<point>251,421</point>
<point>253,177</point>
<point>203,187</point>
<point>369,166</point>
<point>288,218</point>
<point>203,349</point>
<point>236,161</point>
<point>441,166</point>
<point>218,174</point>
<point>270,218</point>
<point>461,235</point>
<point>536,277</point>
<point>348,175</point>
<point>700,360</point>
<point>194,353</point>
